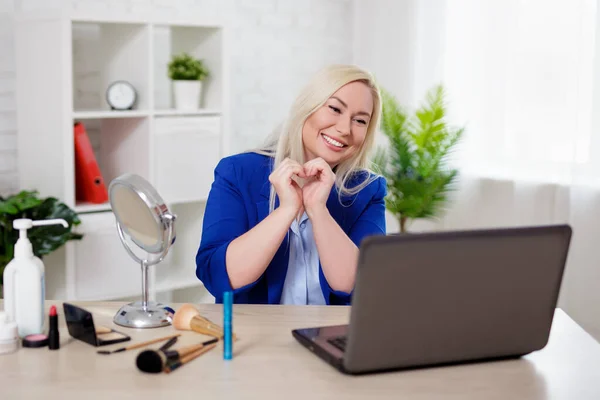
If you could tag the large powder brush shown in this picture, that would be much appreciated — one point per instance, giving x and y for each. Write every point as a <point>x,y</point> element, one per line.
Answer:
<point>156,361</point>
<point>189,318</point>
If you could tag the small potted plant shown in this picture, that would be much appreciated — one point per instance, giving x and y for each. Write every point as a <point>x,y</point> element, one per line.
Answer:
<point>187,74</point>
<point>44,239</point>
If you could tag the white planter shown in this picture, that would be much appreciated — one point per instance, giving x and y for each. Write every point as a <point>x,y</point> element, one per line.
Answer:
<point>187,94</point>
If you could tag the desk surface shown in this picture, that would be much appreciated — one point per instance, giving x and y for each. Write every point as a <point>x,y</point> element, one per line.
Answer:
<point>269,364</point>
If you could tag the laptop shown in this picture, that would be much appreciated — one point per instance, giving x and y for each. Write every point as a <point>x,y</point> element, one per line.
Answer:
<point>439,298</point>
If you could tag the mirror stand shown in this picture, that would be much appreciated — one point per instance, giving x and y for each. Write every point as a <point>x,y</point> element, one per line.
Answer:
<point>145,313</point>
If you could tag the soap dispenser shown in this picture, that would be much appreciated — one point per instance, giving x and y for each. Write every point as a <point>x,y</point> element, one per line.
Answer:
<point>24,281</point>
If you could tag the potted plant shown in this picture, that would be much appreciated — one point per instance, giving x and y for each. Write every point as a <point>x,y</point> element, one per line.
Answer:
<point>44,239</point>
<point>415,161</point>
<point>187,74</point>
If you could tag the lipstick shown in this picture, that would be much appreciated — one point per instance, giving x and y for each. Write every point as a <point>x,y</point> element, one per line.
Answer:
<point>53,336</point>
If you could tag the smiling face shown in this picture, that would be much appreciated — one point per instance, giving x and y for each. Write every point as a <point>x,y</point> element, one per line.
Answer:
<point>337,130</point>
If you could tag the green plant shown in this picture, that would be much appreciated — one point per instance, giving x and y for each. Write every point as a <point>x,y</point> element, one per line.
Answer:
<point>44,239</point>
<point>415,161</point>
<point>186,68</point>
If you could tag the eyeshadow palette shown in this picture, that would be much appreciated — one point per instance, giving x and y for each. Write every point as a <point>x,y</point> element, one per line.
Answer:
<point>80,324</point>
<point>112,336</point>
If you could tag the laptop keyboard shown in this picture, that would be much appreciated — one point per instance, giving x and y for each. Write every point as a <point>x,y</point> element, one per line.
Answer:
<point>339,342</point>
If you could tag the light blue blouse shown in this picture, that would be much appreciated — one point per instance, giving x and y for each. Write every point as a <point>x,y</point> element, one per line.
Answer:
<point>302,284</point>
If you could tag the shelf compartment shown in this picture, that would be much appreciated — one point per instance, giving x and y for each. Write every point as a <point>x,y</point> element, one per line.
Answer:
<point>179,268</point>
<point>120,145</point>
<point>107,52</point>
<point>103,269</point>
<point>205,43</point>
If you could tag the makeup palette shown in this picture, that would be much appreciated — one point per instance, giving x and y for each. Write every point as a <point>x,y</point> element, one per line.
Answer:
<point>112,337</point>
<point>80,324</point>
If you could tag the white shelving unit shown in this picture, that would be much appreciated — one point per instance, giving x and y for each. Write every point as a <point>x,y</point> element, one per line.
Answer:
<point>176,151</point>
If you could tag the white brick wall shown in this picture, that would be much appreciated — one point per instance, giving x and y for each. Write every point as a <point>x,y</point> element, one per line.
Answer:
<point>276,45</point>
<point>8,117</point>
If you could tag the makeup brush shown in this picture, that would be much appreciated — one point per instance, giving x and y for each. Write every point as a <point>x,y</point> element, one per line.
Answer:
<point>155,361</point>
<point>184,360</point>
<point>169,343</point>
<point>189,318</point>
<point>137,346</point>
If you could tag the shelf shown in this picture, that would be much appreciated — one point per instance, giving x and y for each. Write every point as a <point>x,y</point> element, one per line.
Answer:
<point>110,114</point>
<point>154,140</point>
<point>82,208</point>
<point>114,18</point>
<point>171,112</point>
<point>101,114</point>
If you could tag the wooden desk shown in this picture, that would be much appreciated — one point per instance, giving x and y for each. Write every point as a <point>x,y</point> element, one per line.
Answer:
<point>268,363</point>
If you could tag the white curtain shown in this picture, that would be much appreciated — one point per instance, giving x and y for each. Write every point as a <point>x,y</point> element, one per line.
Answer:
<point>523,76</point>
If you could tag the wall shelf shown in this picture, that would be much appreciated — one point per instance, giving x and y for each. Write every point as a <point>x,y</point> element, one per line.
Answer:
<point>171,113</point>
<point>82,208</point>
<point>175,150</point>
<point>83,115</point>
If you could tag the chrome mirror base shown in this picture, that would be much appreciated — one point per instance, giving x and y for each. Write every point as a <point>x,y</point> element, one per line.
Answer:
<point>135,315</point>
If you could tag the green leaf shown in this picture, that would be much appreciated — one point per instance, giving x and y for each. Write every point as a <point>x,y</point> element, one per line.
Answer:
<point>8,208</point>
<point>44,239</point>
<point>21,201</point>
<point>393,116</point>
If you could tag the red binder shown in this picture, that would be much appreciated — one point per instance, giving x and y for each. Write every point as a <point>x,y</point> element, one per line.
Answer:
<point>89,184</point>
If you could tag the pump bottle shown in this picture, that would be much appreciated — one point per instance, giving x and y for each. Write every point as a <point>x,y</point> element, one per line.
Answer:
<point>24,281</point>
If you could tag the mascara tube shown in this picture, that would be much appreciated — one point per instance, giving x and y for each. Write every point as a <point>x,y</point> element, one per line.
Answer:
<point>227,328</point>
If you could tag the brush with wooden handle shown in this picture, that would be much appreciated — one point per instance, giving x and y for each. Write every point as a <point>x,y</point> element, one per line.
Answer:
<point>187,317</point>
<point>184,360</point>
<point>138,345</point>
<point>155,361</point>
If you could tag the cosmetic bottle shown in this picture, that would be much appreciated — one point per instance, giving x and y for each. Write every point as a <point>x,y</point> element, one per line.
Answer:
<point>24,281</point>
<point>9,340</point>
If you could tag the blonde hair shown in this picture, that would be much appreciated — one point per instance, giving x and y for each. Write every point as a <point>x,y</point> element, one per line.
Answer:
<point>287,142</point>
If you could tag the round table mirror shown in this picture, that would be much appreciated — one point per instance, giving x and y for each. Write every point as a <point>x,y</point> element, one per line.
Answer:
<point>144,221</point>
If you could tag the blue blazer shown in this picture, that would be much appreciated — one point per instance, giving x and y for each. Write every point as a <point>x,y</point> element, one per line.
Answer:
<point>239,200</point>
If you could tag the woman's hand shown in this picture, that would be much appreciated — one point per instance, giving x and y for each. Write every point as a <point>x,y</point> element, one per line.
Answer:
<point>316,190</point>
<point>290,194</point>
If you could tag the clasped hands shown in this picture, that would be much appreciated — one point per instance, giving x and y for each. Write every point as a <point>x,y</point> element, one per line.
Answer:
<point>303,186</point>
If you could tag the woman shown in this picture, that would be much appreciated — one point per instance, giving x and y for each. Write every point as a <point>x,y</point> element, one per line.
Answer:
<point>283,224</point>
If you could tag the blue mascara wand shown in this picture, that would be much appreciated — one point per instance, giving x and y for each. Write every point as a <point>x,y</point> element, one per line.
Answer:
<point>227,327</point>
